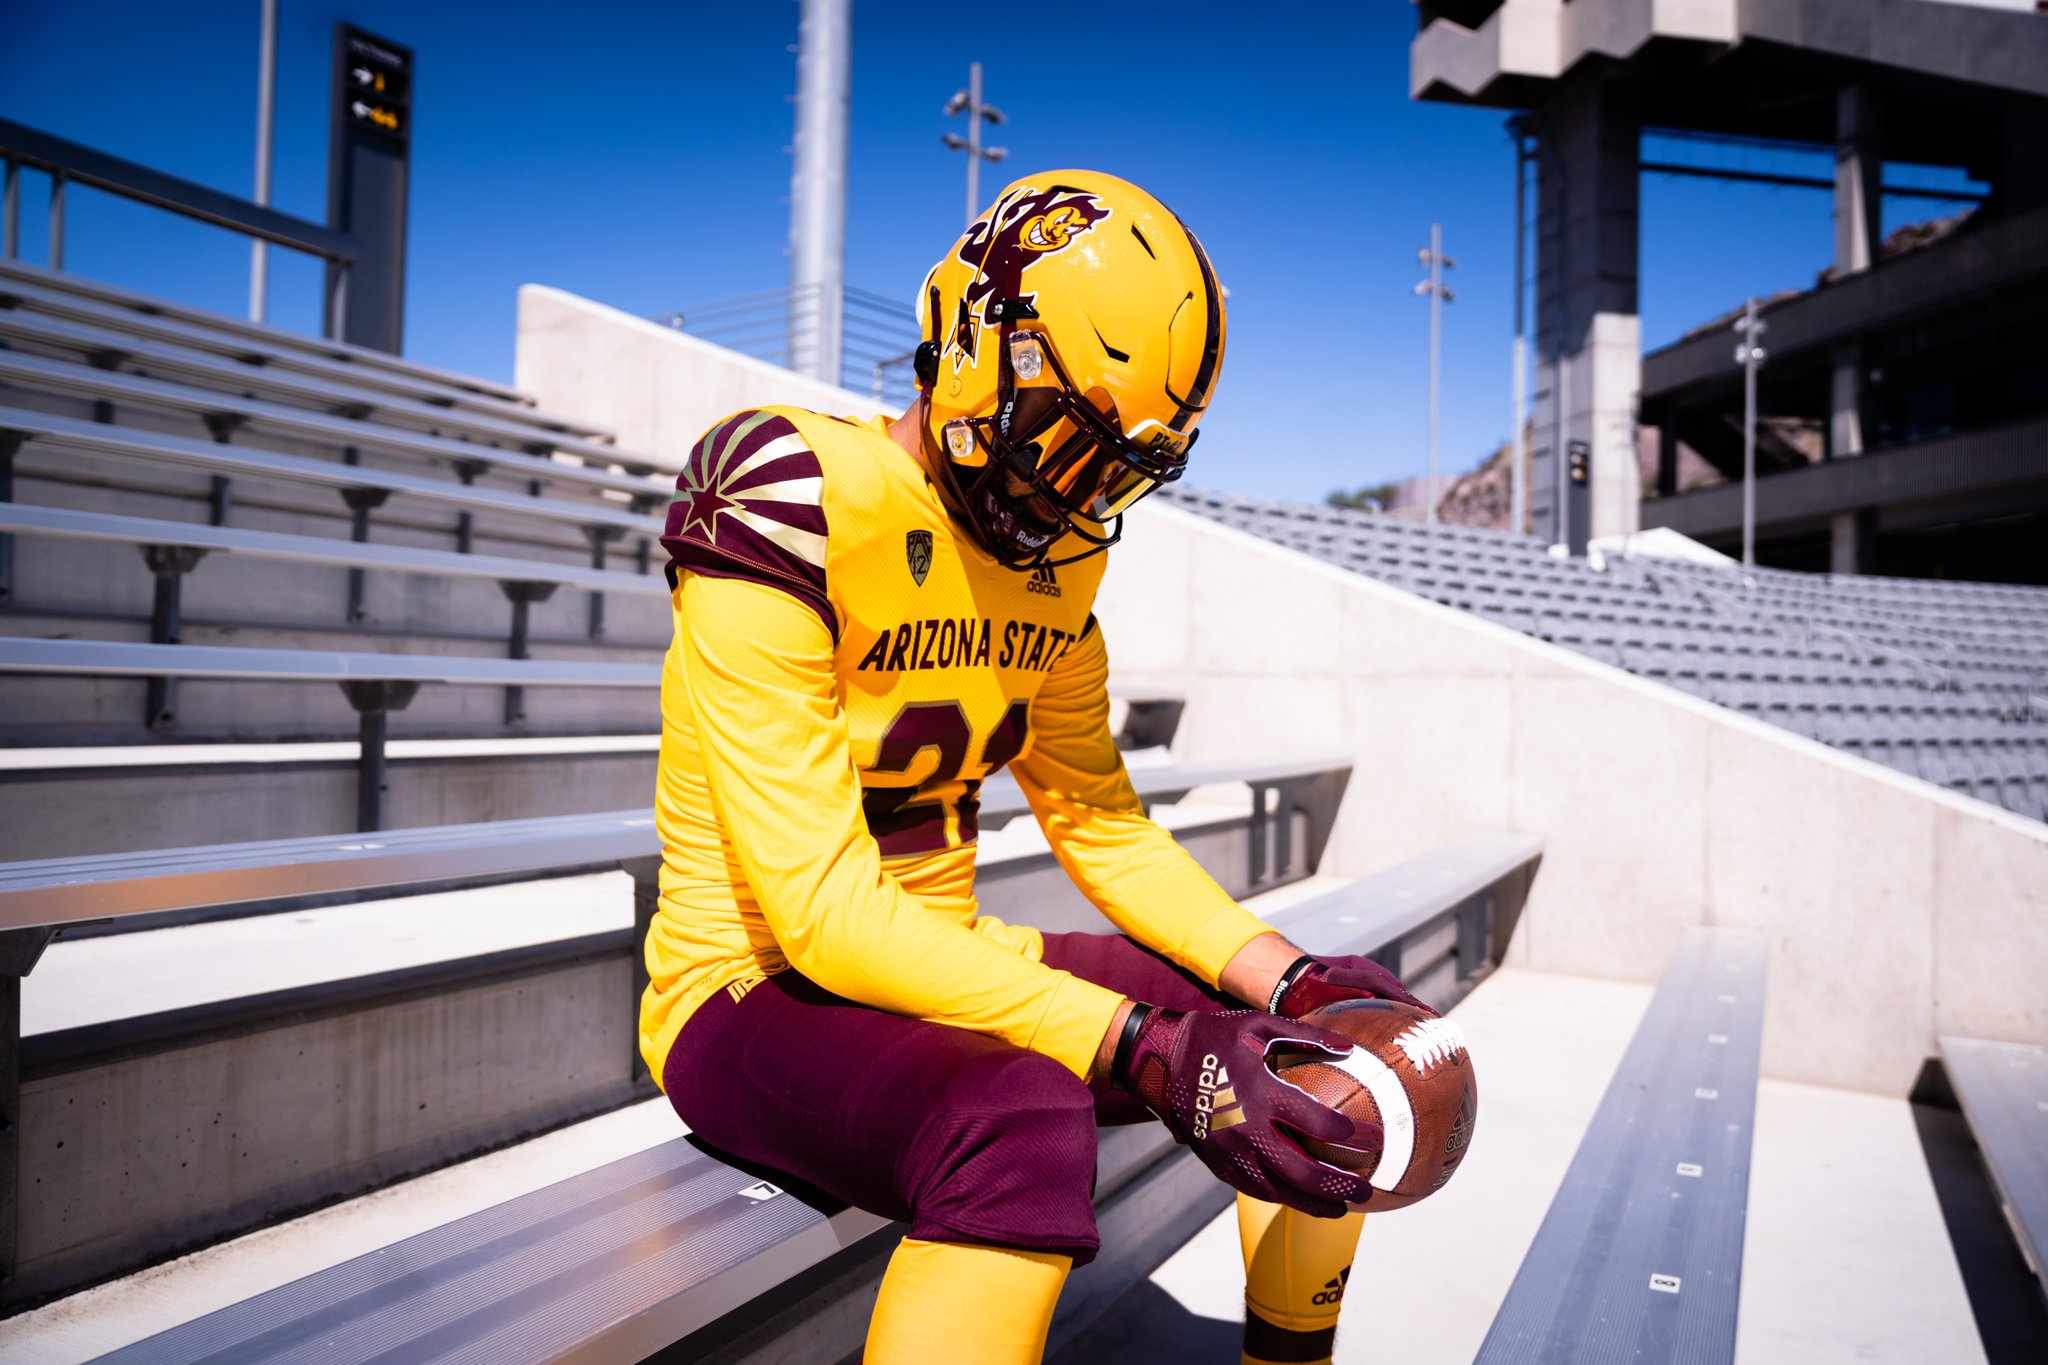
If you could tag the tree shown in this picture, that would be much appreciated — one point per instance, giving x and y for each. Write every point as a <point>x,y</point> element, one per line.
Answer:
<point>1371,498</point>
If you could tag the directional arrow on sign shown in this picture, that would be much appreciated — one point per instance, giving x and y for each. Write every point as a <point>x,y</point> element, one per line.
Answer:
<point>383,118</point>
<point>363,74</point>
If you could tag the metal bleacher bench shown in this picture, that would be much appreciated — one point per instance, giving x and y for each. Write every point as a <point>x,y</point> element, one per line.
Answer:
<point>60,891</point>
<point>1640,1256</point>
<point>673,1246</point>
<point>93,438</point>
<point>64,523</point>
<point>165,338</point>
<point>266,337</point>
<point>345,393</point>
<point>2003,1090</point>
<point>40,372</point>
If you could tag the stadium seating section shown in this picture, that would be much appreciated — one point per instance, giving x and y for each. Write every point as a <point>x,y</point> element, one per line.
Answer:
<point>1944,681</point>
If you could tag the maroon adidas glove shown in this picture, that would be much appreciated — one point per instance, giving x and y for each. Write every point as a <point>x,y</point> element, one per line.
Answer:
<point>1205,1076</point>
<point>1312,982</point>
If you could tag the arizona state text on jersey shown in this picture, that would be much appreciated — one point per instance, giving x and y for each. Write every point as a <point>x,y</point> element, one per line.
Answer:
<point>847,669</point>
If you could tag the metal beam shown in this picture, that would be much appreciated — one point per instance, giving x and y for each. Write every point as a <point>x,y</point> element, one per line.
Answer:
<point>1808,182</point>
<point>2013,457</point>
<point>132,180</point>
<point>108,658</point>
<point>66,524</point>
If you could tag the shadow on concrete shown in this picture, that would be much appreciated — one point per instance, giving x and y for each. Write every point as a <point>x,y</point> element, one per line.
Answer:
<point>2005,1298</point>
<point>1148,1324</point>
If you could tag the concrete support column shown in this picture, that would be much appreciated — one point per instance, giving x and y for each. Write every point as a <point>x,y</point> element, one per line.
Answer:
<point>1852,542</point>
<point>1588,336</point>
<point>1845,403</point>
<point>1859,181</point>
<point>1859,234</point>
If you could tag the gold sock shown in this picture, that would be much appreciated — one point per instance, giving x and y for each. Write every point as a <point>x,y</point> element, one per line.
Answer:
<point>1296,1269</point>
<point>951,1301</point>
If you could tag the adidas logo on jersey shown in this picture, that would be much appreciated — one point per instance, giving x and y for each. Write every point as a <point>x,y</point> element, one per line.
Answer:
<point>1043,582</point>
<point>1333,1292</point>
<point>1216,1106</point>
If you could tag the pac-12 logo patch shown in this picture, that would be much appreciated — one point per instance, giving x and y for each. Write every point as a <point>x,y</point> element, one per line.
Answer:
<point>917,552</point>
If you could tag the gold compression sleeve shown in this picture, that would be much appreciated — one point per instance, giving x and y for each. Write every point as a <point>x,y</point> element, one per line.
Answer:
<point>758,670</point>
<point>1130,868</point>
<point>1296,1272</point>
<point>956,1301</point>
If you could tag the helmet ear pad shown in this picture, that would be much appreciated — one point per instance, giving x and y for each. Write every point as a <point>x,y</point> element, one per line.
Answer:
<point>924,363</point>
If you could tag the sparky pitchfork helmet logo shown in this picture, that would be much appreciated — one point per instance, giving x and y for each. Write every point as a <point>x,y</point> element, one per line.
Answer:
<point>1026,225</point>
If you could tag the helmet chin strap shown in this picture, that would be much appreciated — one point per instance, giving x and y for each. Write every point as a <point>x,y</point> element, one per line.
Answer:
<point>924,361</point>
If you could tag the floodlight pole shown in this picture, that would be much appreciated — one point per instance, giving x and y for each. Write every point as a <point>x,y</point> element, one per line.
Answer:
<point>266,111</point>
<point>1439,294</point>
<point>969,101</point>
<point>1749,355</point>
<point>817,193</point>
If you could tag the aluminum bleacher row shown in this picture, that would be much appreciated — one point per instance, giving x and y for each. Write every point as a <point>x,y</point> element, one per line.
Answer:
<point>1944,681</point>
<point>672,1247</point>
<point>255,510</point>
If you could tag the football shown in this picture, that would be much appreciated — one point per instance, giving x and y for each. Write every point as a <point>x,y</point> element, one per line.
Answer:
<point>1410,1073</point>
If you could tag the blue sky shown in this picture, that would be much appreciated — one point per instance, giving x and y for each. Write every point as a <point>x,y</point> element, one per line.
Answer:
<point>635,153</point>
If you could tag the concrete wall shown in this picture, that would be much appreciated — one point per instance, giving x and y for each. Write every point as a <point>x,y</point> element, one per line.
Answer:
<point>657,389</point>
<point>1896,909</point>
<point>135,1152</point>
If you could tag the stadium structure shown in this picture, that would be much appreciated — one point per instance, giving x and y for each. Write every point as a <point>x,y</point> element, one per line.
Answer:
<point>329,722</point>
<point>1903,411</point>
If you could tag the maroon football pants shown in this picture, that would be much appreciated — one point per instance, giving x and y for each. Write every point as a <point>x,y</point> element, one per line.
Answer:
<point>966,1138</point>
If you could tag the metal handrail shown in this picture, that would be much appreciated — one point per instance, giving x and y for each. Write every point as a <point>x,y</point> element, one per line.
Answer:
<point>67,161</point>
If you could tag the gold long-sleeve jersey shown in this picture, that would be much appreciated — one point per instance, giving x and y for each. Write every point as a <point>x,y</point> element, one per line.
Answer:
<point>847,669</point>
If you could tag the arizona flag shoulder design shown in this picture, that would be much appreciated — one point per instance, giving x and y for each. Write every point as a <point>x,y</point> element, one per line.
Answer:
<point>750,505</point>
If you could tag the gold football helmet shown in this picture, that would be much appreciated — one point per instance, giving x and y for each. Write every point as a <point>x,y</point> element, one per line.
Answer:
<point>1074,335</point>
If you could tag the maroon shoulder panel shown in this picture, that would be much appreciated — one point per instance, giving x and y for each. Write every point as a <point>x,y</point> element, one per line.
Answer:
<point>749,505</point>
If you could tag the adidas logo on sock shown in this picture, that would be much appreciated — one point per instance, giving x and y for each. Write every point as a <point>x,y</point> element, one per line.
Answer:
<point>1333,1292</point>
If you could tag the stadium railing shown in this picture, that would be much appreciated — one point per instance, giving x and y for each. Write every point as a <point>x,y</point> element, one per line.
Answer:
<point>1640,1256</point>
<point>2003,1091</point>
<point>673,1248</point>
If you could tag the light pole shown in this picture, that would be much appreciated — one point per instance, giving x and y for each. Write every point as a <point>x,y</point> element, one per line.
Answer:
<point>266,106</point>
<point>1749,356</point>
<point>1433,259</point>
<point>968,101</point>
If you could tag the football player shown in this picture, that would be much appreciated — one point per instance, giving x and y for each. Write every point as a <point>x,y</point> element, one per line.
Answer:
<point>872,617</point>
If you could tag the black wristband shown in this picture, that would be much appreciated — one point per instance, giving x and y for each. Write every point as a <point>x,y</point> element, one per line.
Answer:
<point>1287,979</point>
<point>1127,1043</point>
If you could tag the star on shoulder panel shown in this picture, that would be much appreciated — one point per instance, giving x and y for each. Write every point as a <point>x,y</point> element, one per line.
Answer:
<point>749,505</point>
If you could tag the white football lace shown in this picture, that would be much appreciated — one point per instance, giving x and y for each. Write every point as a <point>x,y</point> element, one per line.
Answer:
<point>1430,1041</point>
